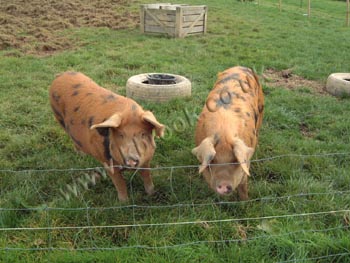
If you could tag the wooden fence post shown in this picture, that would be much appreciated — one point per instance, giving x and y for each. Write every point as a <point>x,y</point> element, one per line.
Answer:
<point>142,19</point>
<point>280,5</point>
<point>178,22</point>
<point>347,12</point>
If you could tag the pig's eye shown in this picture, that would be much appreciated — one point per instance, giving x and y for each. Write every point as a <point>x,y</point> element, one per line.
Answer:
<point>143,135</point>
<point>121,136</point>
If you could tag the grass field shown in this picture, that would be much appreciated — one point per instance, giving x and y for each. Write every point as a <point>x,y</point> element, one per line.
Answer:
<point>299,190</point>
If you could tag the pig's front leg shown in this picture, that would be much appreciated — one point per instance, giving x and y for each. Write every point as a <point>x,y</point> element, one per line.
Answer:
<point>147,181</point>
<point>118,181</point>
<point>242,189</point>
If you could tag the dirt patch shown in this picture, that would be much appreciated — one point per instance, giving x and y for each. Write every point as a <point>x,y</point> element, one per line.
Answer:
<point>286,78</point>
<point>33,26</point>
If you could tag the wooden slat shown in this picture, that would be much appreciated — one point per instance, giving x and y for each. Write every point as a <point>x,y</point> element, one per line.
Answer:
<point>160,12</point>
<point>159,29</point>
<point>188,30</point>
<point>166,23</point>
<point>169,7</point>
<point>160,23</point>
<point>172,7</point>
<point>191,18</point>
<point>196,29</point>
<point>155,6</point>
<point>192,7</point>
<point>173,24</point>
<point>188,24</point>
<point>161,18</point>
<point>180,22</point>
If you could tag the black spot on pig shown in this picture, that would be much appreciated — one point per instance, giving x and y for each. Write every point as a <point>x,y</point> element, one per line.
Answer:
<point>75,93</point>
<point>261,108</point>
<point>108,98</point>
<point>77,142</point>
<point>56,97</point>
<point>244,85</point>
<point>77,86</point>
<point>91,121</point>
<point>210,158</point>
<point>256,116</point>
<point>240,97</point>
<point>103,131</point>
<point>248,71</point>
<point>216,139</point>
<point>111,97</point>
<point>59,117</point>
<point>234,76</point>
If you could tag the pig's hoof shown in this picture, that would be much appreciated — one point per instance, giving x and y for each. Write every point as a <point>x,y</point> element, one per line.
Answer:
<point>243,198</point>
<point>79,151</point>
<point>123,199</point>
<point>150,191</point>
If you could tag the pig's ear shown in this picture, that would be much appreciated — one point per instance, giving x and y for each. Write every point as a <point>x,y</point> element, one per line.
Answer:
<point>112,122</point>
<point>243,154</point>
<point>205,152</point>
<point>149,117</point>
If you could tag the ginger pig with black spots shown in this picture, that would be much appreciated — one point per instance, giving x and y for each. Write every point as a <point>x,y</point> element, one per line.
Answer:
<point>113,129</point>
<point>227,130</point>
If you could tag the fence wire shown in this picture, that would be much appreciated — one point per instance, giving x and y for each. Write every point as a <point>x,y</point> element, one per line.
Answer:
<point>282,156</point>
<point>185,214</point>
<point>336,16</point>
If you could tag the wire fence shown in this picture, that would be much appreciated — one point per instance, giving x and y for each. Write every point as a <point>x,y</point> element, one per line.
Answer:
<point>334,12</point>
<point>143,223</point>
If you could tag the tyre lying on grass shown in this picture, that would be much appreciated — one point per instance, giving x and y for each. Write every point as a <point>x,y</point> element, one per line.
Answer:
<point>142,87</point>
<point>338,84</point>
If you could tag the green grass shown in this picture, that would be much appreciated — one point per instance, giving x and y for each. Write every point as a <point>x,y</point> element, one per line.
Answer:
<point>297,122</point>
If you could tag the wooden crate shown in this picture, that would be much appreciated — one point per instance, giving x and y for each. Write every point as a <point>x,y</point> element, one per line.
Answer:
<point>174,20</point>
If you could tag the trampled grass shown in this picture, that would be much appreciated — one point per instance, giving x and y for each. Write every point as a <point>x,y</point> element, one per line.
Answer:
<point>299,192</point>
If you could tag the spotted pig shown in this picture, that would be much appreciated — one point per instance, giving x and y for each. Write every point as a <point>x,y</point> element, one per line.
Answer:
<point>227,130</point>
<point>113,129</point>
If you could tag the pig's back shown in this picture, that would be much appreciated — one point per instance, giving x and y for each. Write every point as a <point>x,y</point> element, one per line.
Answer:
<point>78,103</point>
<point>233,107</point>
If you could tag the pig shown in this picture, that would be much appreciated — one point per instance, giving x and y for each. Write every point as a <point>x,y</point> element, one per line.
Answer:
<point>227,130</point>
<point>113,129</point>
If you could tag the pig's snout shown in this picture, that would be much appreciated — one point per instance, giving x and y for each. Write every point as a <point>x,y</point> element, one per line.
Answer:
<point>224,188</point>
<point>132,161</point>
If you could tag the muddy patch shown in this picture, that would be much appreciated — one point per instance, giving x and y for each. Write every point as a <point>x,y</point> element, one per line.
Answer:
<point>35,26</point>
<point>287,79</point>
